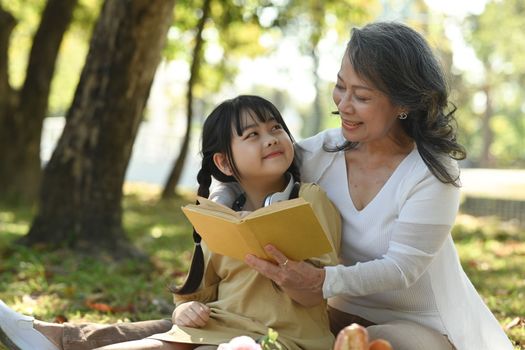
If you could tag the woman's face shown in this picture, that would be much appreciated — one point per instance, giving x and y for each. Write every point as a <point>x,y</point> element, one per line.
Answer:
<point>367,114</point>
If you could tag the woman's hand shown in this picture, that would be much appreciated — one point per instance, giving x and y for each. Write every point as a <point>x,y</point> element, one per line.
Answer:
<point>300,280</point>
<point>191,314</point>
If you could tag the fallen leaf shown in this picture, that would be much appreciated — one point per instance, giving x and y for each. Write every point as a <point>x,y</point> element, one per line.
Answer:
<point>60,319</point>
<point>103,307</point>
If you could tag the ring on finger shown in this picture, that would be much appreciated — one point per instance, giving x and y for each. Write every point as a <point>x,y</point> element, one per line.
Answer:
<point>284,263</point>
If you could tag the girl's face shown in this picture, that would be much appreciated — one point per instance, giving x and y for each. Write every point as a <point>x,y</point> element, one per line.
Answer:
<point>263,151</point>
<point>367,114</point>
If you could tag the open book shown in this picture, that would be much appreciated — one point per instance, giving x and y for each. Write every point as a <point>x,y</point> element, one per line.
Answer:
<point>291,226</point>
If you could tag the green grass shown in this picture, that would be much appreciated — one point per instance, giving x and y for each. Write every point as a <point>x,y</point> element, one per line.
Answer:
<point>493,256</point>
<point>59,285</point>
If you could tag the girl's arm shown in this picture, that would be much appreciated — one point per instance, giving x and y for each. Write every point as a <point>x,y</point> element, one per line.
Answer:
<point>191,309</point>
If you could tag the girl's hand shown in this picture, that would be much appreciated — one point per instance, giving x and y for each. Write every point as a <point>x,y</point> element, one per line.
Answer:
<point>191,314</point>
<point>300,280</point>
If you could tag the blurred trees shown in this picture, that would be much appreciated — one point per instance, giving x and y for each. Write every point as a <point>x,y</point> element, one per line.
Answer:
<point>80,201</point>
<point>496,94</point>
<point>232,28</point>
<point>178,166</point>
<point>81,192</point>
<point>239,27</point>
<point>312,20</point>
<point>22,111</point>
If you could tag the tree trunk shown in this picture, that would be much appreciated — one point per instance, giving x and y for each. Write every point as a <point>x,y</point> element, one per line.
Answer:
<point>318,108</point>
<point>487,135</point>
<point>7,23</point>
<point>80,200</point>
<point>20,132</point>
<point>312,124</point>
<point>7,94</point>
<point>169,190</point>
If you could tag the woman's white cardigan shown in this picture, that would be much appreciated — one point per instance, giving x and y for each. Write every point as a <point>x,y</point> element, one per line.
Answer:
<point>409,264</point>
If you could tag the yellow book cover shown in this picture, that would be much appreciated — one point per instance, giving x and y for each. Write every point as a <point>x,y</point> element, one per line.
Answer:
<point>291,226</point>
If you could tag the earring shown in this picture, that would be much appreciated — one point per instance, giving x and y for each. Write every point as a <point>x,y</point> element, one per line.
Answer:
<point>402,115</point>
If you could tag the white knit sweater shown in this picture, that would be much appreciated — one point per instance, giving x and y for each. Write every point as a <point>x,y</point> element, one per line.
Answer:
<point>398,259</point>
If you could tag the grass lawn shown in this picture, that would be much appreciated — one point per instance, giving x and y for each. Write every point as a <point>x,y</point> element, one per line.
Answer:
<point>59,285</point>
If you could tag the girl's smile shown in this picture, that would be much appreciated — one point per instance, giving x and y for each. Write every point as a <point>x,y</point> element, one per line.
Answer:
<point>273,154</point>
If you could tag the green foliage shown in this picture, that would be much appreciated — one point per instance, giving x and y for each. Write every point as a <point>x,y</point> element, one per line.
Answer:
<point>27,13</point>
<point>72,55</point>
<point>232,30</point>
<point>269,341</point>
<point>72,52</point>
<point>503,62</point>
<point>509,150</point>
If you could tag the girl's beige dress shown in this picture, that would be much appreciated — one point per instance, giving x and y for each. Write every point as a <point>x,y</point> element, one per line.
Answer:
<point>243,302</point>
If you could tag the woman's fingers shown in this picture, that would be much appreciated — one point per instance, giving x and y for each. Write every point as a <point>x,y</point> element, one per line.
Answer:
<point>262,266</point>
<point>275,253</point>
<point>266,268</point>
<point>297,275</point>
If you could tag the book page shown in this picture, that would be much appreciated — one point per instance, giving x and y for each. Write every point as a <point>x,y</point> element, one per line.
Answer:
<point>215,209</point>
<point>278,206</point>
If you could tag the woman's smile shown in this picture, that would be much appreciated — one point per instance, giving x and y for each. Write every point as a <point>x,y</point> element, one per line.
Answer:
<point>350,125</point>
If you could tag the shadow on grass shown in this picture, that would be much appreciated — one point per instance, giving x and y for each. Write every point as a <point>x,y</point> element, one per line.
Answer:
<point>60,285</point>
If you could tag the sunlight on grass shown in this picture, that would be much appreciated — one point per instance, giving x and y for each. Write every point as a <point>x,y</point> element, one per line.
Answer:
<point>493,254</point>
<point>11,224</point>
<point>59,285</point>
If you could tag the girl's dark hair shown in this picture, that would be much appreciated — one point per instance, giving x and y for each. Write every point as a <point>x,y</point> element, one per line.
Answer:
<point>218,129</point>
<point>399,62</point>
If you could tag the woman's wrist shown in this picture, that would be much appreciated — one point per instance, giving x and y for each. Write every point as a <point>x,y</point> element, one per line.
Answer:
<point>318,281</point>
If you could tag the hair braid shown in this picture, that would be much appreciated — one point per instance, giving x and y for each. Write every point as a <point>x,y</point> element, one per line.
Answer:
<point>194,278</point>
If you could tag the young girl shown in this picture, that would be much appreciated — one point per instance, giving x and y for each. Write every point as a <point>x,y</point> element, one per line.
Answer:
<point>245,140</point>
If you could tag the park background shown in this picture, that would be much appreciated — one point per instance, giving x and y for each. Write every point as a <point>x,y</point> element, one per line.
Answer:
<point>98,152</point>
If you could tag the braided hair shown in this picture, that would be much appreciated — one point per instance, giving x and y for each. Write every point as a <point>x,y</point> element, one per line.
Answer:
<point>218,129</point>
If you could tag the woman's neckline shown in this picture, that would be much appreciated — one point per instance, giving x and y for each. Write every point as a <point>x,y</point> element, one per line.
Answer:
<point>383,188</point>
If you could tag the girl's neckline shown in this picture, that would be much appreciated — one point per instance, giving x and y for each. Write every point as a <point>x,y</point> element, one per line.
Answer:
<point>240,201</point>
